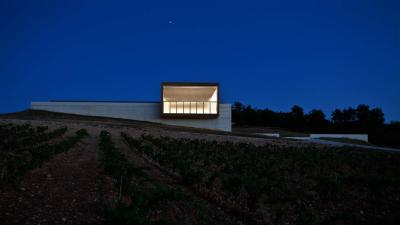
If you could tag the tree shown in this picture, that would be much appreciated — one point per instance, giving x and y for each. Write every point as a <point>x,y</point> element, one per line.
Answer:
<point>297,112</point>
<point>377,118</point>
<point>349,115</point>
<point>237,115</point>
<point>360,119</point>
<point>237,107</point>
<point>296,118</point>
<point>316,120</point>
<point>337,116</point>
<point>363,114</point>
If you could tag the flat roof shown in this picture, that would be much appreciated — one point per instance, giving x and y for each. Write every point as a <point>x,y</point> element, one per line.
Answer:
<point>109,101</point>
<point>189,84</point>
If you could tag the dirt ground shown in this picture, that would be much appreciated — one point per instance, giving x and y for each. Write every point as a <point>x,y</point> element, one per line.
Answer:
<point>71,188</point>
<point>68,189</point>
<point>95,127</point>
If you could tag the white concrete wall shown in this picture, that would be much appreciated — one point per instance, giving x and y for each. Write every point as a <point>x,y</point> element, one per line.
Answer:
<point>362,137</point>
<point>136,111</point>
<point>277,135</point>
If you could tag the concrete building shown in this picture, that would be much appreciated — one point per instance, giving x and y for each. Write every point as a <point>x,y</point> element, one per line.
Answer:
<point>182,104</point>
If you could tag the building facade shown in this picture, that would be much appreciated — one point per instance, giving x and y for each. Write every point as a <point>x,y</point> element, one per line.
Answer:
<point>183,104</point>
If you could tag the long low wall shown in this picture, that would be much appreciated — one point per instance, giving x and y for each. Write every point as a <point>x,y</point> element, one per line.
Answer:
<point>361,137</point>
<point>136,111</point>
<point>277,135</point>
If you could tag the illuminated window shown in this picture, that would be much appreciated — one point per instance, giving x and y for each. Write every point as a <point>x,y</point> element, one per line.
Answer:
<point>186,107</point>
<point>172,108</point>
<point>166,108</point>
<point>179,107</point>
<point>190,99</point>
<point>193,108</point>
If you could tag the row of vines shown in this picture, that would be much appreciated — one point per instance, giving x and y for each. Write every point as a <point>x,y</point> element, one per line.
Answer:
<point>142,199</point>
<point>283,184</point>
<point>24,147</point>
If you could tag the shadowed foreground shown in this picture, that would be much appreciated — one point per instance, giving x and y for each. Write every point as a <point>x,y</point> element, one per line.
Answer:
<point>143,173</point>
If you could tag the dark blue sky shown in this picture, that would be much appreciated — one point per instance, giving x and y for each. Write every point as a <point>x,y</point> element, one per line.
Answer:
<point>318,54</point>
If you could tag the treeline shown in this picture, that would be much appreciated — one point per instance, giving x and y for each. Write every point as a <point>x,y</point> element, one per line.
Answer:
<point>362,119</point>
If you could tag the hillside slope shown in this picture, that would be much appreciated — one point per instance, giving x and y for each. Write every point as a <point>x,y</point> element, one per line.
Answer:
<point>132,172</point>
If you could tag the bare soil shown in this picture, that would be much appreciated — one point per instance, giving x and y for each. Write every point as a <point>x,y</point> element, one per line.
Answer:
<point>68,189</point>
<point>167,179</point>
<point>71,188</point>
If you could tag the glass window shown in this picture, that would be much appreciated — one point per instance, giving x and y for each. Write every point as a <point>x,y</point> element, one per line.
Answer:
<point>166,107</point>
<point>214,108</point>
<point>200,108</point>
<point>186,107</point>
<point>179,107</point>
<point>193,109</point>
<point>173,107</point>
<point>190,99</point>
<point>207,108</point>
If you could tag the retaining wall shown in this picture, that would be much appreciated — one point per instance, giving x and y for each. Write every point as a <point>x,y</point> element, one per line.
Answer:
<point>362,137</point>
<point>136,111</point>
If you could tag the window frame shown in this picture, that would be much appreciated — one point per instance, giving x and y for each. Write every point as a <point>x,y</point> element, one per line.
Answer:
<point>189,115</point>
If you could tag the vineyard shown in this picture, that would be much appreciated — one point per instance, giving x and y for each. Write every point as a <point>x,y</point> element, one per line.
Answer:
<point>74,173</point>
<point>283,185</point>
<point>142,199</point>
<point>24,147</point>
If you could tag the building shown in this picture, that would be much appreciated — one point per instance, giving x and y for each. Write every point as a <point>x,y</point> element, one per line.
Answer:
<point>183,104</point>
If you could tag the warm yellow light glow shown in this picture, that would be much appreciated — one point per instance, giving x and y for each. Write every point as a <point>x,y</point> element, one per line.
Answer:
<point>190,99</point>
<point>214,107</point>
<point>206,107</point>
<point>179,107</point>
<point>193,108</point>
<point>186,107</point>
<point>166,107</point>
<point>172,108</point>
<point>200,108</point>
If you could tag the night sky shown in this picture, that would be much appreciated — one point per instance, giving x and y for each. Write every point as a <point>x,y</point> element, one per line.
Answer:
<point>317,54</point>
